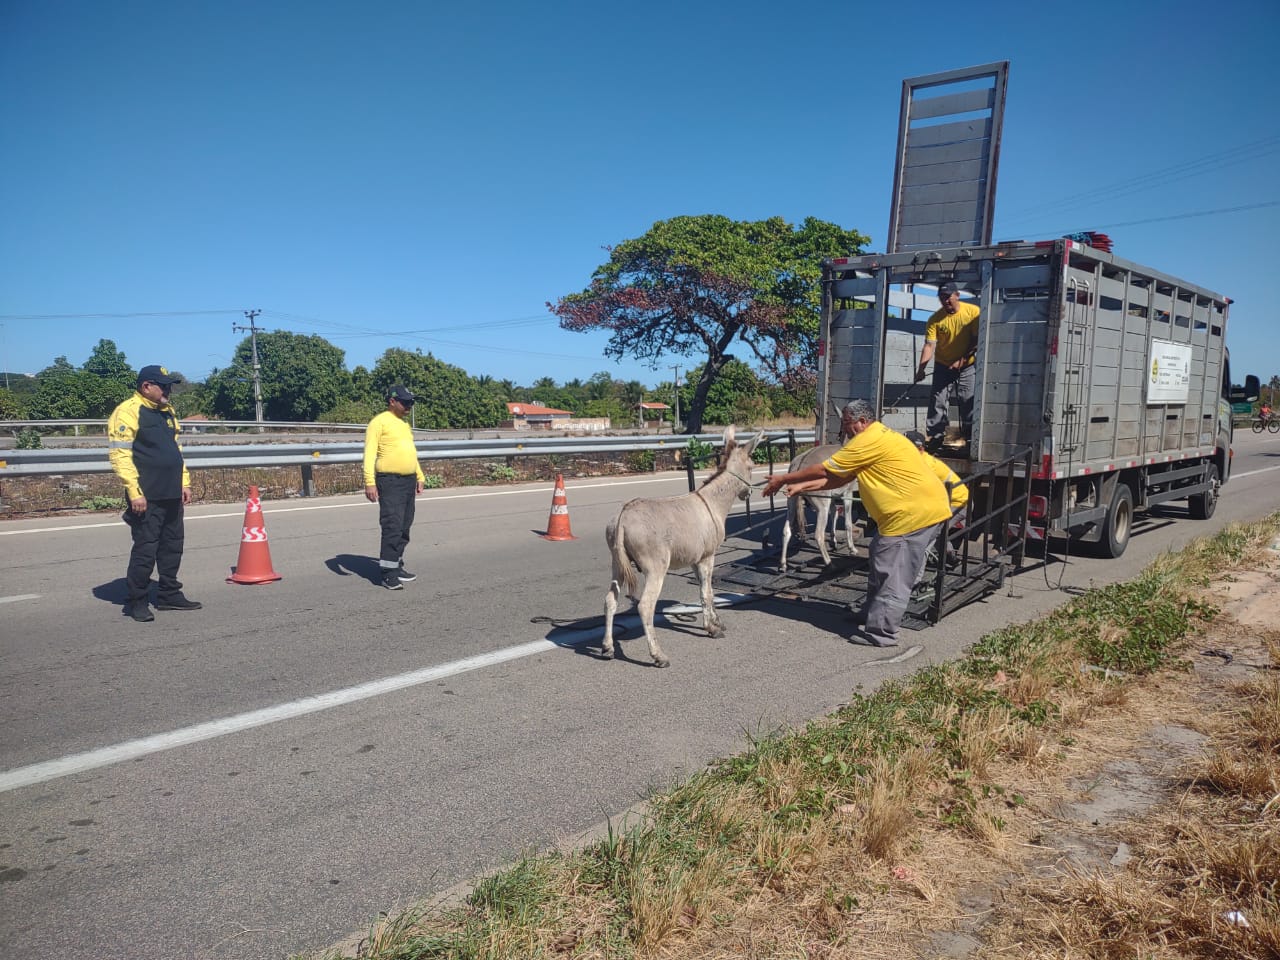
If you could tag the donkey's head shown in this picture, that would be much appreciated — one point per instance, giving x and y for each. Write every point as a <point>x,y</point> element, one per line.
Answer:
<point>735,460</point>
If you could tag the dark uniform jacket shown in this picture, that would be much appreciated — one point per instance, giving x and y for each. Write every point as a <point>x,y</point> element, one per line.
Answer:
<point>144,449</point>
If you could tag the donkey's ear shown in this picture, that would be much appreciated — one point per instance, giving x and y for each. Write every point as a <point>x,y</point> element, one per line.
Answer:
<point>755,441</point>
<point>729,439</point>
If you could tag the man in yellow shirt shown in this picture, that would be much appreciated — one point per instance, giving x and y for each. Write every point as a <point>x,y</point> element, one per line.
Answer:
<point>951,342</point>
<point>904,498</point>
<point>392,478</point>
<point>956,489</point>
<point>142,440</point>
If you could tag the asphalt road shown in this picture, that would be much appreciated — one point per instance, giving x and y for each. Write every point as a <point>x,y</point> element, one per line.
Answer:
<point>256,822</point>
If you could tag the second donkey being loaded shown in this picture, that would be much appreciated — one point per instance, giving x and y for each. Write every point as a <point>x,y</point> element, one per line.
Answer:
<point>821,503</point>
<point>658,534</point>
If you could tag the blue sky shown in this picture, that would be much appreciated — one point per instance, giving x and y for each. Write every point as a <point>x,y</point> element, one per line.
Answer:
<point>425,175</point>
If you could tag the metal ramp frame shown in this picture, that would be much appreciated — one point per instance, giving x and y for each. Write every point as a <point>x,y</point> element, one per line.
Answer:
<point>989,543</point>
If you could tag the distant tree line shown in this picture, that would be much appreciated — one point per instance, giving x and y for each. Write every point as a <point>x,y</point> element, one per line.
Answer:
<point>691,286</point>
<point>305,378</point>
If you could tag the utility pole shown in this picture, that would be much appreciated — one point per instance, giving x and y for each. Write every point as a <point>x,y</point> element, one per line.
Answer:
<point>4,358</point>
<point>675,389</point>
<point>257,368</point>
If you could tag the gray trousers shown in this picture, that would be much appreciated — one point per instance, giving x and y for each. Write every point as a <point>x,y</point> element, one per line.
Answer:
<point>944,381</point>
<point>896,565</point>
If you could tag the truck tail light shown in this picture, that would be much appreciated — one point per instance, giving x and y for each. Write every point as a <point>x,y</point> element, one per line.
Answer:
<point>1037,507</point>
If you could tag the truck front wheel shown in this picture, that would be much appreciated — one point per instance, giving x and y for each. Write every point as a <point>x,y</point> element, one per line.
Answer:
<point>1202,505</point>
<point>1119,523</point>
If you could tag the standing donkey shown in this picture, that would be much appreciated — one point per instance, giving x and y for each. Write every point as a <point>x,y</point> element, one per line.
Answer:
<point>658,534</point>
<point>821,503</point>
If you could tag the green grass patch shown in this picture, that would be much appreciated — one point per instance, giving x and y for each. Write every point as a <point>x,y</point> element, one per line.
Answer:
<point>916,751</point>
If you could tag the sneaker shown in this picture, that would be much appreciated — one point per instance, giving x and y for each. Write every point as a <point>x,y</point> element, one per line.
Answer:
<point>405,576</point>
<point>178,603</point>
<point>391,580</point>
<point>864,639</point>
<point>139,611</point>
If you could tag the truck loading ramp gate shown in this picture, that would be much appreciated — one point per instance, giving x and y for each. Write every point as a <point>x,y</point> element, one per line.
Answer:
<point>987,543</point>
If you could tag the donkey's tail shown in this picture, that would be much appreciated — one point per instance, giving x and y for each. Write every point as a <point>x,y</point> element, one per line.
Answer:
<point>623,572</point>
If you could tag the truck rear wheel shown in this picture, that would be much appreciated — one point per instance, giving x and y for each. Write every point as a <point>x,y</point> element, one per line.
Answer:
<point>1119,523</point>
<point>1202,505</point>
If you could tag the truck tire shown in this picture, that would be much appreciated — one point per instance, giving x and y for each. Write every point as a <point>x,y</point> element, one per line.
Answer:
<point>1119,523</point>
<point>1202,505</point>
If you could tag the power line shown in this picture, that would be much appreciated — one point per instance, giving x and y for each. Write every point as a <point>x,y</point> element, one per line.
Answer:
<point>1178,216</point>
<point>113,316</point>
<point>1180,171</point>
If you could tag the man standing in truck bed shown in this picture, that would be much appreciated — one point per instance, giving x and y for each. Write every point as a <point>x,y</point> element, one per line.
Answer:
<point>951,342</point>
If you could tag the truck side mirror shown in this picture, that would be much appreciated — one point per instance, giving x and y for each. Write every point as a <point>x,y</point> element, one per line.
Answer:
<point>1249,393</point>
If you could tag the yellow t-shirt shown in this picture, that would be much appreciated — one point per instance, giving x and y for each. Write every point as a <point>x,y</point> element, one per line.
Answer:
<point>959,492</point>
<point>388,448</point>
<point>956,334</point>
<point>897,487</point>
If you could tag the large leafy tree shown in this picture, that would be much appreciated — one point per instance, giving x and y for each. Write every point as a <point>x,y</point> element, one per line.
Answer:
<point>737,395</point>
<point>66,392</point>
<point>696,285</point>
<point>301,376</point>
<point>12,405</point>
<point>447,397</point>
<point>109,363</point>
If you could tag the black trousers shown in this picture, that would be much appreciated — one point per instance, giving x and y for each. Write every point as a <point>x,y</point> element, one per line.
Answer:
<point>396,503</point>
<point>157,545</point>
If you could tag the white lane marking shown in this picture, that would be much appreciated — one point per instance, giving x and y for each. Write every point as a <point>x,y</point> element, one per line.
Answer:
<point>906,654</point>
<point>1250,473</point>
<point>105,756</point>
<point>20,596</point>
<point>341,506</point>
<point>720,600</point>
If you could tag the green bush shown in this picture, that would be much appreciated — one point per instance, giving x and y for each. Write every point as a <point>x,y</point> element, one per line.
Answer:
<point>432,481</point>
<point>102,503</point>
<point>501,473</point>
<point>29,439</point>
<point>699,453</point>
<point>641,461</point>
<point>780,452</point>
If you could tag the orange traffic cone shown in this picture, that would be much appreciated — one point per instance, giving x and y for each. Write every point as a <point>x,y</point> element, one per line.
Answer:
<point>558,523</point>
<point>254,565</point>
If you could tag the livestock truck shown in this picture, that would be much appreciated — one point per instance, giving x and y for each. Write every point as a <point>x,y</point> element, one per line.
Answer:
<point>1108,380</point>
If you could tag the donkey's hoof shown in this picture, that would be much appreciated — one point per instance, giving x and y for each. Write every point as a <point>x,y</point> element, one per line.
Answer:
<point>715,632</point>
<point>661,662</point>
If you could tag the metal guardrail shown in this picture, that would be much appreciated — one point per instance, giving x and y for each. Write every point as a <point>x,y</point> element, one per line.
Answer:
<point>18,463</point>
<point>191,425</point>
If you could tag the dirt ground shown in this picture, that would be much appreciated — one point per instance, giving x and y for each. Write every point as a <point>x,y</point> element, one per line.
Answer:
<point>1097,820</point>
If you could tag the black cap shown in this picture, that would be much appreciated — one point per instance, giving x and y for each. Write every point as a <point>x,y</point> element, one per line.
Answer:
<point>403,394</point>
<point>157,375</point>
<point>947,289</point>
<point>915,436</point>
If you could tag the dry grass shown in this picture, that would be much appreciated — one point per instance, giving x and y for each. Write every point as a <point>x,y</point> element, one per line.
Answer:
<point>941,807</point>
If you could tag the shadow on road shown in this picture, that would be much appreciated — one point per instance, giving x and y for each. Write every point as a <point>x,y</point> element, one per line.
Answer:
<point>113,591</point>
<point>349,564</point>
<point>583,636</point>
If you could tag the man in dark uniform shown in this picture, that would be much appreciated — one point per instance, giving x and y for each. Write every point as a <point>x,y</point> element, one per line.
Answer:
<point>143,440</point>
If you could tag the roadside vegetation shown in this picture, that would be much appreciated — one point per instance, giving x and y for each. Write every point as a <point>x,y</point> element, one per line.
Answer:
<point>927,818</point>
